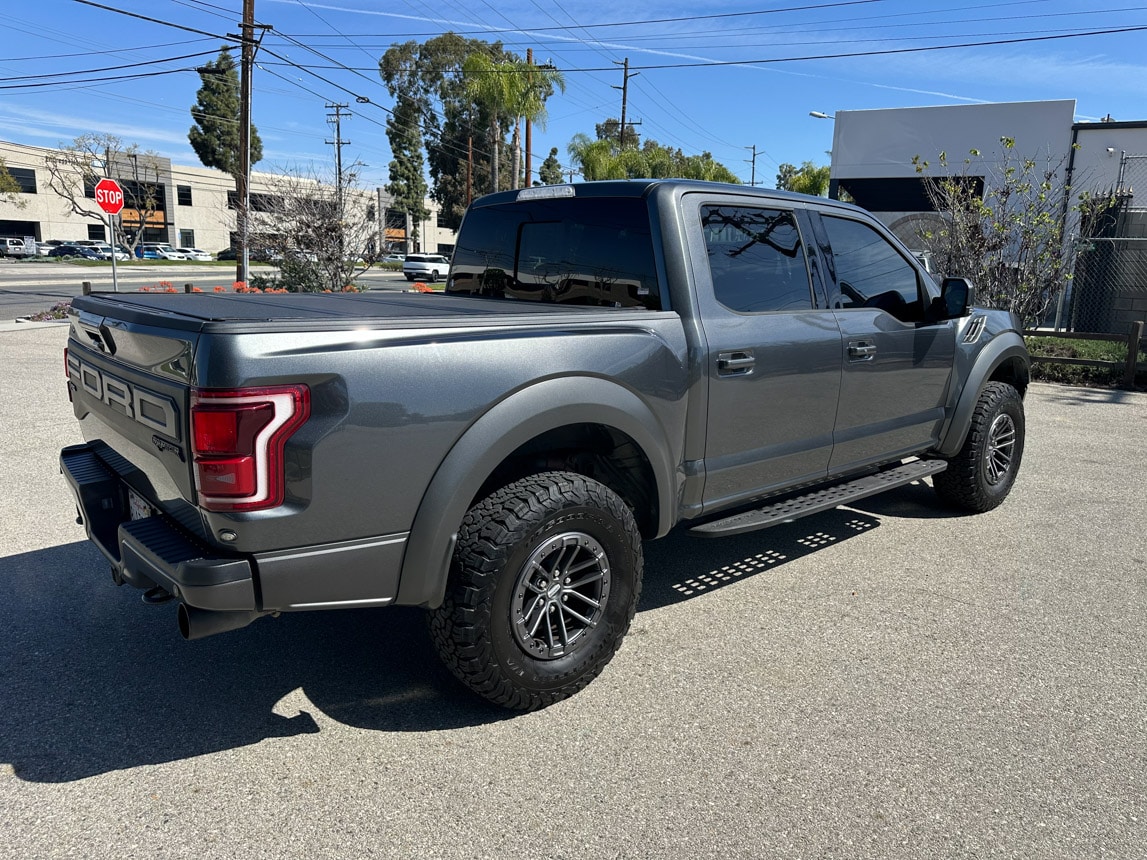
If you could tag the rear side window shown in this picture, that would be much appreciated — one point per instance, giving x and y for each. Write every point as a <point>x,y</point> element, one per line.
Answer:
<point>756,258</point>
<point>581,251</point>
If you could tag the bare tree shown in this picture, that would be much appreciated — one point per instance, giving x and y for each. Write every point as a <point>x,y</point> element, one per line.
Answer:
<point>320,235</point>
<point>1004,229</point>
<point>74,170</point>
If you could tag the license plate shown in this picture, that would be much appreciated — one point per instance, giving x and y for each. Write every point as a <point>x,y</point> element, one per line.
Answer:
<point>137,507</point>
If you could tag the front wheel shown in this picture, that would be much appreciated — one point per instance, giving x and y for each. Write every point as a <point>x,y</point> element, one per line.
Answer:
<point>980,477</point>
<point>434,277</point>
<point>543,586</point>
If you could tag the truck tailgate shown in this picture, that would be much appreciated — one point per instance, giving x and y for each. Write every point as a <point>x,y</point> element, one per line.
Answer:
<point>130,390</point>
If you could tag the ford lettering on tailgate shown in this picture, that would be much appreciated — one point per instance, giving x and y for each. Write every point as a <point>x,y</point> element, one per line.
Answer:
<point>152,410</point>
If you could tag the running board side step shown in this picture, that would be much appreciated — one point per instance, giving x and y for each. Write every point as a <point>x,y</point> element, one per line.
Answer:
<point>820,500</point>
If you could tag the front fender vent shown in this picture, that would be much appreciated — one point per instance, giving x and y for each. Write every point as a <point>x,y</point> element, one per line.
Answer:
<point>975,328</point>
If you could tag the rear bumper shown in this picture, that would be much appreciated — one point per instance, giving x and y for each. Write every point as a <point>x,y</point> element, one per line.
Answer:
<point>154,550</point>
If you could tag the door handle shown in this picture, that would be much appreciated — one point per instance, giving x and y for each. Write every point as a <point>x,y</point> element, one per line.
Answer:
<point>859,350</point>
<point>736,363</point>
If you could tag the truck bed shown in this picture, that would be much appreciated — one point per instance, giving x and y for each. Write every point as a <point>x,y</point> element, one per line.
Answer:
<point>233,313</point>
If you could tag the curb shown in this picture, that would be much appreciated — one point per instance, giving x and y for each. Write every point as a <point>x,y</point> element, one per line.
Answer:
<point>25,324</point>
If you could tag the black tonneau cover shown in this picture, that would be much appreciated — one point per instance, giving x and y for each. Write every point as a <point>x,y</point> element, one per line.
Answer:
<point>203,311</point>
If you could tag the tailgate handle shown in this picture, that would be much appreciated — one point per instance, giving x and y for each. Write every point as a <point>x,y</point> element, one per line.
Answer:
<point>737,363</point>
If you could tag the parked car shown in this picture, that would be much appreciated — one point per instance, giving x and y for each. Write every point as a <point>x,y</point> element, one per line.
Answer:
<point>74,251</point>
<point>105,251</point>
<point>195,254</point>
<point>227,254</point>
<point>158,251</point>
<point>43,248</point>
<point>394,258</point>
<point>11,247</point>
<point>425,267</point>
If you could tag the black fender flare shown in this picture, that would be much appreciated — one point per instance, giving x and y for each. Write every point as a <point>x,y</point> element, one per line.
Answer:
<point>1002,348</point>
<point>524,415</point>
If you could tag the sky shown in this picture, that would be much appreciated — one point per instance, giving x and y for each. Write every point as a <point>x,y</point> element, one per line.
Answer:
<point>735,79</point>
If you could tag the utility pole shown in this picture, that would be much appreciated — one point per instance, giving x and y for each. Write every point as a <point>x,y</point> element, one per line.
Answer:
<point>529,130</point>
<point>752,161</point>
<point>243,180</point>
<point>624,98</point>
<point>338,143</point>
<point>380,214</point>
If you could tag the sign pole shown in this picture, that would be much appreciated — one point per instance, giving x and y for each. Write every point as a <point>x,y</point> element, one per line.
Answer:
<point>109,197</point>
<point>115,250</point>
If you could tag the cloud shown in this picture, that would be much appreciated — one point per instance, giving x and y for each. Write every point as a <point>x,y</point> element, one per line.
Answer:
<point>51,125</point>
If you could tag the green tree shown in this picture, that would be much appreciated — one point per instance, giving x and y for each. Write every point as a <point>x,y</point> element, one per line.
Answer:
<point>1003,227</point>
<point>604,159</point>
<point>550,173</point>
<point>608,130</point>
<point>510,90</point>
<point>407,184</point>
<point>449,121</point>
<point>10,188</point>
<point>215,135</point>
<point>809,178</point>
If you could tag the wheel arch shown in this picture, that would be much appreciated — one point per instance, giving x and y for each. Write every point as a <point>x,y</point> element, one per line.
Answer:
<point>498,447</point>
<point>1005,359</point>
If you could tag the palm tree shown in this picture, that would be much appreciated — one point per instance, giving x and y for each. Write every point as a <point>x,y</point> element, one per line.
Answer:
<point>509,90</point>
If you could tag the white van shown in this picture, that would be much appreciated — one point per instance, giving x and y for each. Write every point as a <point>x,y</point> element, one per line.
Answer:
<point>13,247</point>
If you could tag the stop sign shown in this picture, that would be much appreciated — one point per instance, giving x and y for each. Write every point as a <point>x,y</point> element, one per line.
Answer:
<point>109,196</point>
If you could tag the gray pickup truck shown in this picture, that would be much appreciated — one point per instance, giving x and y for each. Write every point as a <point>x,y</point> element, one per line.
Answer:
<point>609,361</point>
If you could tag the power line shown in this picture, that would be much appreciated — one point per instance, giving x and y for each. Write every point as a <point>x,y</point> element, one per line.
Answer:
<point>97,53</point>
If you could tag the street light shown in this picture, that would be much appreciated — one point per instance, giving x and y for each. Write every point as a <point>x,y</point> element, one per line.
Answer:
<point>820,114</point>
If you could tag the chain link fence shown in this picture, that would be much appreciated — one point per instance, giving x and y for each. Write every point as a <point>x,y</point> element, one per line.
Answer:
<point>1108,290</point>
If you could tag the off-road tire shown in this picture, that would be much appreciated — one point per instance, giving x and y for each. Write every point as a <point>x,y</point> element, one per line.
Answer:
<point>980,477</point>
<point>502,583</point>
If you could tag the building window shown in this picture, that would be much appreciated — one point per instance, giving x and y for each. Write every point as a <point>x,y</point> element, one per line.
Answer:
<point>183,195</point>
<point>25,177</point>
<point>186,238</point>
<point>97,232</point>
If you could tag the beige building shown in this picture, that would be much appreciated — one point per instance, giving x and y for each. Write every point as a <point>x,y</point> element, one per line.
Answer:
<point>193,206</point>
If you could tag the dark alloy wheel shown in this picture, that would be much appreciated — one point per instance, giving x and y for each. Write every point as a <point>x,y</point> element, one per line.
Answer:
<point>543,586</point>
<point>980,477</point>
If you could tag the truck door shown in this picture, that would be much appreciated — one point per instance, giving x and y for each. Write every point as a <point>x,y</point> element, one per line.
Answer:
<point>774,357</point>
<point>896,368</point>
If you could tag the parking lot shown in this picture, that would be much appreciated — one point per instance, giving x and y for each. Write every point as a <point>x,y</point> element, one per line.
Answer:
<point>885,680</point>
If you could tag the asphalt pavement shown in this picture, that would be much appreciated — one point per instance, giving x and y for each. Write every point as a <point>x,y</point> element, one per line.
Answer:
<point>890,680</point>
<point>29,287</point>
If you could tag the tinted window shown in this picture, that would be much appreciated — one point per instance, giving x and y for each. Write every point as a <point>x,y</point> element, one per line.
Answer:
<point>756,258</point>
<point>183,195</point>
<point>869,271</point>
<point>584,251</point>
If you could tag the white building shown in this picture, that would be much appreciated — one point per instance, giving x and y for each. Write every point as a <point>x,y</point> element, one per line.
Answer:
<point>193,206</point>
<point>873,154</point>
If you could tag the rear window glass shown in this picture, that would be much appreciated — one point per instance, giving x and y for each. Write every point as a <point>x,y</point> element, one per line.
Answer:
<point>582,251</point>
<point>756,258</point>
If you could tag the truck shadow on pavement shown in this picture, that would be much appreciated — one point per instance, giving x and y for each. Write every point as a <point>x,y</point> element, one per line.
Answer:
<point>92,680</point>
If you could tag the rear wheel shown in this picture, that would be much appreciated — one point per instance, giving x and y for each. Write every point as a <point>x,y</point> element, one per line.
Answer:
<point>543,585</point>
<point>434,276</point>
<point>980,477</point>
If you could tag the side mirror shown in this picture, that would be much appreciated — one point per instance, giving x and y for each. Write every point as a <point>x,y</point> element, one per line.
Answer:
<point>956,296</point>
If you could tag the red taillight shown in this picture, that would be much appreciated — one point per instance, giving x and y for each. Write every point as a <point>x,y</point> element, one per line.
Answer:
<point>237,438</point>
